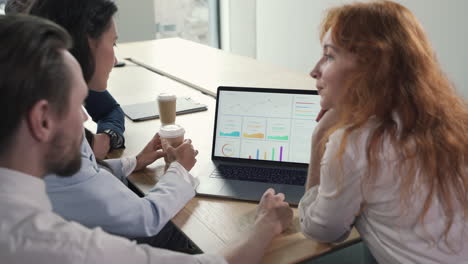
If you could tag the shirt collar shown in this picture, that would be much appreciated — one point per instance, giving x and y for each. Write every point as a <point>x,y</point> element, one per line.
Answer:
<point>25,187</point>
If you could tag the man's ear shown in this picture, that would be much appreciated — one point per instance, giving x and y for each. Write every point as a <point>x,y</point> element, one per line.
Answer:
<point>41,121</point>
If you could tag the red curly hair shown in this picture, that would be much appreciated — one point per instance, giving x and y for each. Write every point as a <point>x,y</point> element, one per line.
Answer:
<point>398,73</point>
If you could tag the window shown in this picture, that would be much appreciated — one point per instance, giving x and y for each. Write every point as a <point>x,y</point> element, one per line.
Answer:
<point>195,20</point>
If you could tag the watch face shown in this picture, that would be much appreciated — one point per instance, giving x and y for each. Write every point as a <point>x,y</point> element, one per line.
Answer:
<point>116,141</point>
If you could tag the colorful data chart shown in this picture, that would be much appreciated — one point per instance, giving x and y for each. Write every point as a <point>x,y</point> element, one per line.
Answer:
<point>278,129</point>
<point>264,156</point>
<point>227,150</point>
<point>274,105</point>
<point>230,126</point>
<point>306,107</point>
<point>253,128</point>
<point>256,135</point>
<point>231,134</point>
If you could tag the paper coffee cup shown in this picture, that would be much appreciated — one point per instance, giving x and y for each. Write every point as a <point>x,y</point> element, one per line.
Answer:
<point>167,108</point>
<point>171,135</point>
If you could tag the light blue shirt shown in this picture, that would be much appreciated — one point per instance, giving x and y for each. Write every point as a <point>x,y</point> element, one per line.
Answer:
<point>96,197</point>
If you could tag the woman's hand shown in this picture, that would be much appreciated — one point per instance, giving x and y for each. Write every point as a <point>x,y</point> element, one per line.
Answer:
<point>327,119</point>
<point>101,145</point>
<point>151,152</point>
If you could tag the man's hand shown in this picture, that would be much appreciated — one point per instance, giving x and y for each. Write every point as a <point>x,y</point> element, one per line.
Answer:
<point>273,217</point>
<point>150,153</point>
<point>184,154</point>
<point>101,145</point>
<point>273,212</point>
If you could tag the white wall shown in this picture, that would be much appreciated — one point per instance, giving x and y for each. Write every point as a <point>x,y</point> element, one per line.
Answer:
<point>135,20</point>
<point>238,26</point>
<point>287,33</point>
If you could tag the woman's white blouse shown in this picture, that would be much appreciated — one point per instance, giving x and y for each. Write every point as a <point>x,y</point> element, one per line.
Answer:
<point>394,234</point>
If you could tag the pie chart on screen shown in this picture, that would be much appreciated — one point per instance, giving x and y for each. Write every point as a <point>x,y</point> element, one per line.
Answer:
<point>227,150</point>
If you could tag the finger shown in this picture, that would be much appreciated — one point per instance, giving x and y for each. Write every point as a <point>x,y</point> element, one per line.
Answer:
<point>321,114</point>
<point>269,192</point>
<point>165,144</point>
<point>188,141</point>
<point>170,150</point>
<point>160,154</point>
<point>280,196</point>
<point>184,147</point>
<point>152,142</point>
<point>157,138</point>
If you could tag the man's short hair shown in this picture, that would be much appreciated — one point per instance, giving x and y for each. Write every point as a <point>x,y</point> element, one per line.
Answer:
<point>32,68</point>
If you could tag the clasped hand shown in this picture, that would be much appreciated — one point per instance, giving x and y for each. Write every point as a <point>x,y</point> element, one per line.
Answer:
<point>184,154</point>
<point>273,212</point>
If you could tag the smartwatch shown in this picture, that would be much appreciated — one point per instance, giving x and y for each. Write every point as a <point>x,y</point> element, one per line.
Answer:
<point>116,141</point>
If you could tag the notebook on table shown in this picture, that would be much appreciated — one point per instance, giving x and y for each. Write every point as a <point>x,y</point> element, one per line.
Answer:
<point>149,110</point>
<point>261,139</point>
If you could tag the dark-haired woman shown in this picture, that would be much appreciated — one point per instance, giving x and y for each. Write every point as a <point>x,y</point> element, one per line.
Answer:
<point>100,104</point>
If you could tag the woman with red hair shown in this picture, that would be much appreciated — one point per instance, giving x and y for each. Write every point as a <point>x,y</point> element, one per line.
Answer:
<point>390,154</point>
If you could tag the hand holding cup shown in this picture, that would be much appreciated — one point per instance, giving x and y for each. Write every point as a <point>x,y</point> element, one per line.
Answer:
<point>184,154</point>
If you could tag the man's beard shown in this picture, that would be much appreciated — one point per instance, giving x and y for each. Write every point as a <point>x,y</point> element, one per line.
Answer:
<point>64,158</point>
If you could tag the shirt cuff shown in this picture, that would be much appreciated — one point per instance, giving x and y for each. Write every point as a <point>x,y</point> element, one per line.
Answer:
<point>128,165</point>
<point>189,178</point>
<point>306,201</point>
<point>313,225</point>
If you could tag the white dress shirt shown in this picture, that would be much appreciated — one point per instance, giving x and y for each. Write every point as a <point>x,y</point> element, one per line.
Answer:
<point>329,211</point>
<point>31,233</point>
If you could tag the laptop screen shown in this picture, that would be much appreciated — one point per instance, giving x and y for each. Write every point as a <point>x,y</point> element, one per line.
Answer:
<point>272,125</point>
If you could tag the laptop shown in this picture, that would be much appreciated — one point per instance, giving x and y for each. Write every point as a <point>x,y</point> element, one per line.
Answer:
<point>261,139</point>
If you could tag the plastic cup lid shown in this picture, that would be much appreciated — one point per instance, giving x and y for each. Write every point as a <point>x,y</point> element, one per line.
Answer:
<point>171,131</point>
<point>166,97</point>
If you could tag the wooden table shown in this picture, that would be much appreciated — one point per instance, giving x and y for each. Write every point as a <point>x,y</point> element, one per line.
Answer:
<point>206,68</point>
<point>210,223</point>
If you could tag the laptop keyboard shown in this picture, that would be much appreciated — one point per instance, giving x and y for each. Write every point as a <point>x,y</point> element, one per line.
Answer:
<point>258,174</point>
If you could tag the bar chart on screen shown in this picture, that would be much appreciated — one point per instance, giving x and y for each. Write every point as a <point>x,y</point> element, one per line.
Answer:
<point>264,150</point>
